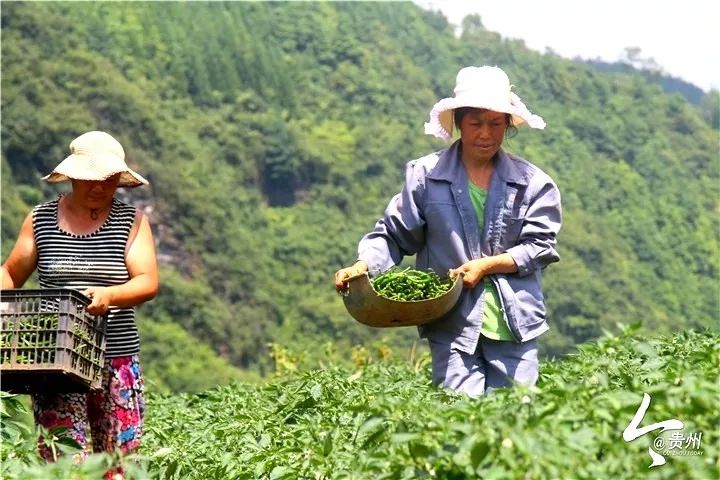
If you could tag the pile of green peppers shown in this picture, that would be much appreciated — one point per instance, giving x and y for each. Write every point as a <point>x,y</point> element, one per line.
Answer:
<point>410,285</point>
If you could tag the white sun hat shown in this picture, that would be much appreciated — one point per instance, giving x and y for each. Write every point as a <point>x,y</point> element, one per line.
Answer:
<point>480,87</point>
<point>95,156</point>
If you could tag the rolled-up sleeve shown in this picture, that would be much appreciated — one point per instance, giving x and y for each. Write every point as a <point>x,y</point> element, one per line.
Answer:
<point>401,230</point>
<point>538,236</point>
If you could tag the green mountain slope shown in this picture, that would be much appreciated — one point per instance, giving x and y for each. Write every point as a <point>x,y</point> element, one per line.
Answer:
<point>274,133</point>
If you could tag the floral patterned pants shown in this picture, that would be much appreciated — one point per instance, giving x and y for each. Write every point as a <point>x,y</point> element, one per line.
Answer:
<point>113,415</point>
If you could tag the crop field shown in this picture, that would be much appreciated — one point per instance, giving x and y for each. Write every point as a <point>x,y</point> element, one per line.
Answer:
<point>386,421</point>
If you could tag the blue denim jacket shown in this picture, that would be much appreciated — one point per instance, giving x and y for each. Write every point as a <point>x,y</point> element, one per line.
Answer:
<point>433,218</point>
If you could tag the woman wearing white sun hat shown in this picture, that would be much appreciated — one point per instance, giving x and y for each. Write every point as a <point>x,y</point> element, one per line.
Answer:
<point>477,209</point>
<point>89,241</point>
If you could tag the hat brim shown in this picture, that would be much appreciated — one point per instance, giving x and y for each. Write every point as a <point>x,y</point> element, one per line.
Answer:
<point>441,116</point>
<point>95,168</point>
<point>128,179</point>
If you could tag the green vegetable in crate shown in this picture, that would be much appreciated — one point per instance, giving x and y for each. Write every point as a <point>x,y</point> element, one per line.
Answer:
<point>82,343</point>
<point>410,285</point>
<point>49,321</point>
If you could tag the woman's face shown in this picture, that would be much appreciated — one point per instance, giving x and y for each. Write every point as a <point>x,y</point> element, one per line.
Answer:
<point>481,134</point>
<point>95,194</point>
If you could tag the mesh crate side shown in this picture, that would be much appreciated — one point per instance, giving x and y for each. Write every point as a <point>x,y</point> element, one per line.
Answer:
<point>48,334</point>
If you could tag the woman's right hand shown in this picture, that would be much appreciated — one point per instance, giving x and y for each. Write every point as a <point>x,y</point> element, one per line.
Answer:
<point>342,275</point>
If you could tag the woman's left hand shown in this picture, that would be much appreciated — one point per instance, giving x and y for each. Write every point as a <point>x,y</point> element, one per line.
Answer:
<point>101,298</point>
<point>474,271</point>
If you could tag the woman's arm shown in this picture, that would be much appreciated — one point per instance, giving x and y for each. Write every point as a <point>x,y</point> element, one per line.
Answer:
<point>142,268</point>
<point>536,246</point>
<point>400,232</point>
<point>22,261</point>
<point>538,237</point>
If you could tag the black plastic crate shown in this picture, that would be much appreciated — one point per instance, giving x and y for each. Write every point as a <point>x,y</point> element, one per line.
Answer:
<point>49,343</point>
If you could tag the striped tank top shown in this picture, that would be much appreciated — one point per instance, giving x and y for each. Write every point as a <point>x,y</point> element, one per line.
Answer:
<point>94,260</point>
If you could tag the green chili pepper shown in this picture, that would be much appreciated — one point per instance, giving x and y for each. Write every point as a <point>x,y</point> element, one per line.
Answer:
<point>410,284</point>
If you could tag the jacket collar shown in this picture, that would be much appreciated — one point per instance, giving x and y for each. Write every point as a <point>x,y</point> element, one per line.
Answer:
<point>449,167</point>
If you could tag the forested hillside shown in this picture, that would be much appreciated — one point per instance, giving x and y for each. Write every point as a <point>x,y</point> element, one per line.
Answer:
<point>274,133</point>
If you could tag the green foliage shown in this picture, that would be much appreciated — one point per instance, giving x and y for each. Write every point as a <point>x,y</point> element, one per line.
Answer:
<point>274,133</point>
<point>386,420</point>
<point>14,209</point>
<point>710,107</point>
<point>19,459</point>
<point>177,362</point>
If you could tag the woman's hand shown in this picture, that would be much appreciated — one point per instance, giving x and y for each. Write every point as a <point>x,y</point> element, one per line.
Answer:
<point>342,275</point>
<point>101,298</point>
<point>475,270</point>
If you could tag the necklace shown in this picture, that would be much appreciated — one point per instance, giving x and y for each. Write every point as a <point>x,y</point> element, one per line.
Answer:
<point>94,212</point>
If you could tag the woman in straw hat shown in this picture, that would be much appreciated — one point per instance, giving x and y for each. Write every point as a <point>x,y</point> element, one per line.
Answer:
<point>475,209</point>
<point>90,241</point>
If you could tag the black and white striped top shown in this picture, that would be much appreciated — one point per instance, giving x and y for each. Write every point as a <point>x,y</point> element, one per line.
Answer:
<point>94,260</point>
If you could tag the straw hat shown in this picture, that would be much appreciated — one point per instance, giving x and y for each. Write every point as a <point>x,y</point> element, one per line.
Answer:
<point>95,156</point>
<point>480,87</point>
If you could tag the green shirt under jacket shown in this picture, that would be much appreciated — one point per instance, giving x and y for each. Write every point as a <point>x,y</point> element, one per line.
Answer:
<point>493,325</point>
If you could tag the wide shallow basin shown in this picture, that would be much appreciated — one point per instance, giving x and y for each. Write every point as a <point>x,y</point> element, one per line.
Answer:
<point>366,306</point>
